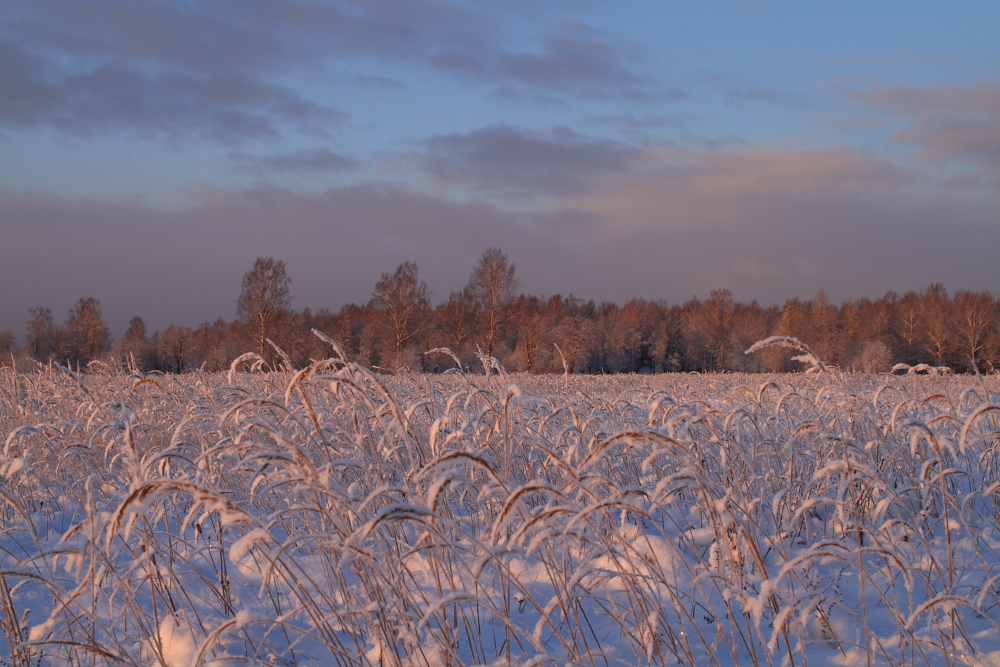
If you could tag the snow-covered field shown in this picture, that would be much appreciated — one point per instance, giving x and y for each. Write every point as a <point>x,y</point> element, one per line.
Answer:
<point>332,516</point>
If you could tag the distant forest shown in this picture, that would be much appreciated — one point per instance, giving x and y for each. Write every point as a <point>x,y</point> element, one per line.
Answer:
<point>397,328</point>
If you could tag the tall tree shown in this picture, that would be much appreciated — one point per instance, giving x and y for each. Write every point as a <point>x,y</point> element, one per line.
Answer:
<point>529,326</point>
<point>88,334</point>
<point>132,348</point>
<point>455,316</point>
<point>492,290</point>
<point>8,347</point>
<point>40,334</point>
<point>136,329</point>
<point>791,321</point>
<point>975,320</point>
<point>265,293</point>
<point>720,325</point>
<point>752,323</point>
<point>220,342</point>
<point>935,321</point>
<point>401,306</point>
<point>710,328</point>
<point>822,326</point>
<point>631,334</point>
<point>173,349</point>
<point>570,324</point>
<point>908,325</point>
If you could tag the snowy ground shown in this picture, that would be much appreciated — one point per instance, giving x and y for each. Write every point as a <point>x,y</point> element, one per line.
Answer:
<point>337,517</point>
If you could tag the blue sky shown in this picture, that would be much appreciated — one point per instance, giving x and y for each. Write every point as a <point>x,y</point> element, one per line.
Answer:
<point>150,151</point>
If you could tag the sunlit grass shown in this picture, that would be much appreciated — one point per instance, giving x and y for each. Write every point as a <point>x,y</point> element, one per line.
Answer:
<point>332,516</point>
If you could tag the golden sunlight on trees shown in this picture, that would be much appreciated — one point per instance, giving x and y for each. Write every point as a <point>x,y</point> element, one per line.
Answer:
<point>492,290</point>
<point>397,324</point>
<point>974,314</point>
<point>88,335</point>
<point>41,334</point>
<point>83,338</point>
<point>264,295</point>
<point>401,307</point>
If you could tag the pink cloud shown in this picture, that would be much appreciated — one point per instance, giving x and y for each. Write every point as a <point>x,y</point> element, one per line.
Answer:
<point>691,188</point>
<point>952,122</point>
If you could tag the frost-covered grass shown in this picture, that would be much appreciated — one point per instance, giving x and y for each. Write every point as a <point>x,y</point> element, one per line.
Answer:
<point>332,516</point>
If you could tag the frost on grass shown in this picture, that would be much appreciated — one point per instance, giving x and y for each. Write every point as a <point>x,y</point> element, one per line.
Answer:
<point>332,516</point>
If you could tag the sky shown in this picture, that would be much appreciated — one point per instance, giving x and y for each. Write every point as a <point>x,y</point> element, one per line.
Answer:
<point>150,151</point>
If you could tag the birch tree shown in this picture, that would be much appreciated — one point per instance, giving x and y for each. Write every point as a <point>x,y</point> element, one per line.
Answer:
<point>492,290</point>
<point>401,306</point>
<point>265,293</point>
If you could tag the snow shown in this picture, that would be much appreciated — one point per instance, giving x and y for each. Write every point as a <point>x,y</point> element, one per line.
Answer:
<point>441,520</point>
<point>176,644</point>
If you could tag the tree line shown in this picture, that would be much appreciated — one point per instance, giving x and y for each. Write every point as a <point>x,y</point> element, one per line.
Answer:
<point>397,329</point>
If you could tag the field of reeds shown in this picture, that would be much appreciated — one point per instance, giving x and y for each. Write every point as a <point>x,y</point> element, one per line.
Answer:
<point>331,516</point>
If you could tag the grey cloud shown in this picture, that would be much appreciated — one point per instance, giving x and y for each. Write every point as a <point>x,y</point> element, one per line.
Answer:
<point>244,35</point>
<point>320,160</point>
<point>739,92</point>
<point>974,179</point>
<point>397,29</point>
<point>229,35</point>
<point>679,129</point>
<point>645,121</point>
<point>752,95</point>
<point>506,160</point>
<point>583,63</point>
<point>160,66</point>
<point>184,266</point>
<point>166,66</point>
<point>317,161</point>
<point>849,247</point>
<point>958,139</point>
<point>112,96</point>
<point>223,36</point>
<point>577,62</point>
<point>23,85</point>
<point>640,129</point>
<point>373,82</point>
<point>520,95</point>
<point>759,225</point>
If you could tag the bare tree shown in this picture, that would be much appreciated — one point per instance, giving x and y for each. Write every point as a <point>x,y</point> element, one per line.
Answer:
<point>401,306</point>
<point>131,349</point>
<point>88,334</point>
<point>720,323</point>
<point>40,335</point>
<point>751,323</point>
<point>630,335</point>
<point>136,329</point>
<point>529,325</point>
<point>822,325</point>
<point>221,343</point>
<point>8,348</point>
<point>710,327</point>
<point>266,292</point>
<point>935,320</point>
<point>492,289</point>
<point>456,315</point>
<point>173,349</point>
<point>974,320</point>
<point>908,328</point>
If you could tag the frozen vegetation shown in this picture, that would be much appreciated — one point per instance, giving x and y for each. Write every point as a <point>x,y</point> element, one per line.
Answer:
<point>332,516</point>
